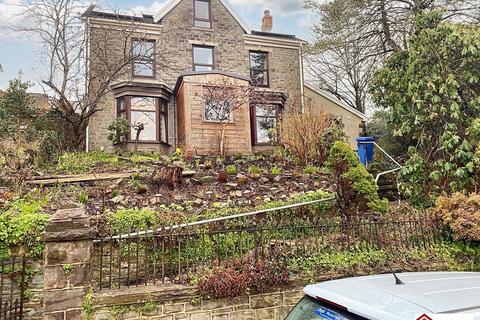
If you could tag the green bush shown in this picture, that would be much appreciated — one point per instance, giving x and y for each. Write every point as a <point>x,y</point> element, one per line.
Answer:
<point>131,220</point>
<point>76,163</point>
<point>22,225</point>
<point>357,192</point>
<point>231,170</point>
<point>432,102</point>
<point>118,131</point>
<point>310,170</point>
<point>254,169</point>
<point>276,171</point>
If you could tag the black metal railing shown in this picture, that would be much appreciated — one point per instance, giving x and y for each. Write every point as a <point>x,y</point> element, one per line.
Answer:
<point>12,287</point>
<point>168,254</point>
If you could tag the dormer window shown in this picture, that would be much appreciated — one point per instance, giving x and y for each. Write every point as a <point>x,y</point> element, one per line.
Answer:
<point>202,13</point>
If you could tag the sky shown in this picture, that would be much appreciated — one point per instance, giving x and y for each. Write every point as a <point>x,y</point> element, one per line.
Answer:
<point>19,54</point>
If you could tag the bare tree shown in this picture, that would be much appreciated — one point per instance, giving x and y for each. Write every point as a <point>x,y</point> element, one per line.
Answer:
<point>225,97</point>
<point>343,68</point>
<point>354,37</point>
<point>79,72</point>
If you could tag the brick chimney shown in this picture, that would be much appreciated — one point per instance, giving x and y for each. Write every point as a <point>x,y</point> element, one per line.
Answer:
<point>267,21</point>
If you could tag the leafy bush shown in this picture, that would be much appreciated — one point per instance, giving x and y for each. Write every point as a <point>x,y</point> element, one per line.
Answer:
<point>434,102</point>
<point>131,220</point>
<point>276,171</point>
<point>461,213</point>
<point>310,170</point>
<point>357,192</point>
<point>22,225</point>
<point>231,170</point>
<point>75,163</point>
<point>309,135</point>
<point>118,131</point>
<point>242,276</point>
<point>254,169</point>
<point>380,127</point>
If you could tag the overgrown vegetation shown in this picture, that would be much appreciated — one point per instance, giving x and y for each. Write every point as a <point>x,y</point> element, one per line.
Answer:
<point>22,222</point>
<point>434,101</point>
<point>29,135</point>
<point>309,135</point>
<point>356,190</point>
<point>129,220</point>
<point>241,276</point>
<point>461,214</point>
<point>75,163</point>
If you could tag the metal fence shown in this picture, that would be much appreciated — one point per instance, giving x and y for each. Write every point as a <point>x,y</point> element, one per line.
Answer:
<point>167,254</point>
<point>12,282</point>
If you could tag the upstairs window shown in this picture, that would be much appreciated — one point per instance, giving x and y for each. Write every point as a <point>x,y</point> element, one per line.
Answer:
<point>202,58</point>
<point>143,52</point>
<point>259,68</point>
<point>202,13</point>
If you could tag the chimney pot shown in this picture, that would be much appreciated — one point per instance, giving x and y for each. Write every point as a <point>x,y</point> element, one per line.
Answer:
<point>267,22</point>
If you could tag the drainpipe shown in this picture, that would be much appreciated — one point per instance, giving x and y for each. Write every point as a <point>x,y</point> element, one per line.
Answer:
<point>302,78</point>
<point>87,72</point>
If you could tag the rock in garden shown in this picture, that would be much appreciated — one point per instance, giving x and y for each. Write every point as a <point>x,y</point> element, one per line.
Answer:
<point>206,179</point>
<point>189,173</point>
<point>117,199</point>
<point>232,185</point>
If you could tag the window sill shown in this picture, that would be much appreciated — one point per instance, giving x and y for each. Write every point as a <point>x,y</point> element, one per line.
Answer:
<point>149,142</point>
<point>218,122</point>
<point>202,29</point>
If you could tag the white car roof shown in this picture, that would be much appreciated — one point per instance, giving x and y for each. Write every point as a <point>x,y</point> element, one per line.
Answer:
<point>378,297</point>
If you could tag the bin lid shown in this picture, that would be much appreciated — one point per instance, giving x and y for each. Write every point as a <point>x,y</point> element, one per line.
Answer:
<point>366,139</point>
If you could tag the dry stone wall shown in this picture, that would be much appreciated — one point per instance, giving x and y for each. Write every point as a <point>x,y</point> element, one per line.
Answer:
<point>270,306</point>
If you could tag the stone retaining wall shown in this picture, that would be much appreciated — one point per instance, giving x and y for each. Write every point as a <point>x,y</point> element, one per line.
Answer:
<point>149,303</point>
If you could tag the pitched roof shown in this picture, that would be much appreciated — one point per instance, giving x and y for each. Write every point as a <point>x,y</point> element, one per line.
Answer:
<point>277,35</point>
<point>337,101</point>
<point>173,3</point>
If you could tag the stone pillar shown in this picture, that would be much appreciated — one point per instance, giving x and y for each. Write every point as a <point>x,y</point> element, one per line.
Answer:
<point>67,264</point>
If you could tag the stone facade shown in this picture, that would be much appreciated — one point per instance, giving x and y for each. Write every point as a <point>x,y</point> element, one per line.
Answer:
<point>175,36</point>
<point>269,306</point>
<point>67,264</point>
<point>198,136</point>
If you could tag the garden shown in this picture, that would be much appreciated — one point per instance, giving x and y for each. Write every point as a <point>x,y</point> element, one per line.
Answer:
<point>318,210</point>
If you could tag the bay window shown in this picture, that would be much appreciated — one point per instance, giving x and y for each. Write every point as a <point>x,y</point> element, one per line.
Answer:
<point>149,112</point>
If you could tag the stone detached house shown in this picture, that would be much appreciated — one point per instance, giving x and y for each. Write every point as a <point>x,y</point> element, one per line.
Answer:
<point>197,43</point>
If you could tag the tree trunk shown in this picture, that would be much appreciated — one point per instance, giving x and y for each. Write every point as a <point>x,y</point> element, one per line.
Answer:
<point>171,177</point>
<point>222,141</point>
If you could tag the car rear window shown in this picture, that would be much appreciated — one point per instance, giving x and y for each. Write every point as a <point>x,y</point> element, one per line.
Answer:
<point>312,309</point>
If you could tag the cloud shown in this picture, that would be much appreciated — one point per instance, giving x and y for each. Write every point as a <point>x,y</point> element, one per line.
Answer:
<point>280,7</point>
<point>10,13</point>
<point>155,7</point>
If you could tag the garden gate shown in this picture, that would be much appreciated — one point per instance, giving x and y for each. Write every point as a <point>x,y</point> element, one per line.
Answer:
<point>12,280</point>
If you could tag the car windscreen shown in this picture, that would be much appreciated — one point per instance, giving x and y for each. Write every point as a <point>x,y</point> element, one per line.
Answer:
<point>312,309</point>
